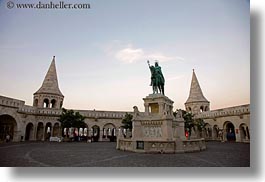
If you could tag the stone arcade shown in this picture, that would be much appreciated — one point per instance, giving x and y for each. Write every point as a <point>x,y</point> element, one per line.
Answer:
<point>38,122</point>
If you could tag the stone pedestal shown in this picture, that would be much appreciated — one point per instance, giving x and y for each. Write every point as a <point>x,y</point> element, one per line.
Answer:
<point>157,130</point>
<point>156,122</point>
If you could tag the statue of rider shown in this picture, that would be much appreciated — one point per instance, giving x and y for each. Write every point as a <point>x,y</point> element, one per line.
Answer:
<point>157,78</point>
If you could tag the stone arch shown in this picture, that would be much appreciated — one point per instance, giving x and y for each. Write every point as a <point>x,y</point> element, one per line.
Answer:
<point>109,132</point>
<point>8,126</point>
<point>215,132</point>
<point>65,132</point>
<point>29,133</point>
<point>48,131</point>
<point>85,133</point>
<point>40,129</point>
<point>53,103</point>
<point>201,109</point>
<point>56,129</point>
<point>229,131</point>
<point>46,103</point>
<point>95,134</point>
<point>244,133</point>
<point>208,131</point>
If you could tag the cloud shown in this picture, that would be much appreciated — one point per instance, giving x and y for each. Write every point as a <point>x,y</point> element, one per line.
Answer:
<point>127,53</point>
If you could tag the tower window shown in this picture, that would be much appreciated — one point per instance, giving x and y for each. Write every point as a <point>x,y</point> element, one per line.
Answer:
<point>201,109</point>
<point>53,102</point>
<point>46,103</point>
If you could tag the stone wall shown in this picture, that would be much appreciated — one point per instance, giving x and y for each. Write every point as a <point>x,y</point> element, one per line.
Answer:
<point>221,121</point>
<point>217,120</point>
<point>34,118</point>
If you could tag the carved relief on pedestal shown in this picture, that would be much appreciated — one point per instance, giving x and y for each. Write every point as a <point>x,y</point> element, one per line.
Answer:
<point>152,131</point>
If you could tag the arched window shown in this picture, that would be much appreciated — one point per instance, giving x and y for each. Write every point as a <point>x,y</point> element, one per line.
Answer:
<point>48,130</point>
<point>46,103</point>
<point>109,131</point>
<point>53,102</point>
<point>65,131</point>
<point>85,131</point>
<point>61,104</point>
<point>80,131</point>
<point>201,109</point>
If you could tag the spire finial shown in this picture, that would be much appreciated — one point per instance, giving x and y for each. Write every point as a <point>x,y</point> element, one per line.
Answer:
<point>50,84</point>
<point>195,91</point>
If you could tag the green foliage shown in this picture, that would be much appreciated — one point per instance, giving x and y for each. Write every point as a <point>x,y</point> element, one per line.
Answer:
<point>127,121</point>
<point>190,122</point>
<point>69,119</point>
<point>200,124</point>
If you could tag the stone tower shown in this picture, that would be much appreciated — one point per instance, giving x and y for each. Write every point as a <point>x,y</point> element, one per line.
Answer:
<point>49,94</point>
<point>196,102</point>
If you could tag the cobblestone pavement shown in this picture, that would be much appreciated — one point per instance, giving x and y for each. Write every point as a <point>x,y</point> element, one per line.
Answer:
<point>103,154</point>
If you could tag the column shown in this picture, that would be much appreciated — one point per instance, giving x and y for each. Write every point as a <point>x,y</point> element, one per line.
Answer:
<point>43,135</point>
<point>34,138</point>
<point>237,133</point>
<point>52,130</point>
<point>60,131</point>
<point>146,108</point>
<point>100,135</point>
<point>161,108</point>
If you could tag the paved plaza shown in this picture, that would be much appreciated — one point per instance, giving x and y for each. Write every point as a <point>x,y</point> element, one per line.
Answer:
<point>47,154</point>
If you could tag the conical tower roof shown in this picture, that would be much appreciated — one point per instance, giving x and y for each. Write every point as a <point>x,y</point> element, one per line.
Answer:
<point>196,94</point>
<point>50,84</point>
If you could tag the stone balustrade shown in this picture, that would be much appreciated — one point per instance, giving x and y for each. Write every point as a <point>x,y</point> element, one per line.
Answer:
<point>230,111</point>
<point>10,102</point>
<point>102,114</point>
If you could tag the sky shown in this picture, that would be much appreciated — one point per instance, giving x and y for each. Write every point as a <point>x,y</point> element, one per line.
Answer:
<point>102,52</point>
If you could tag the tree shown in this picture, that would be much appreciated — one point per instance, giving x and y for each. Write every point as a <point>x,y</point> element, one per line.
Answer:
<point>190,122</point>
<point>69,119</point>
<point>200,124</point>
<point>127,121</point>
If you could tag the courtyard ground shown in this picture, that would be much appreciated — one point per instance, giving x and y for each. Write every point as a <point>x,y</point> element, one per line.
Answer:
<point>104,154</point>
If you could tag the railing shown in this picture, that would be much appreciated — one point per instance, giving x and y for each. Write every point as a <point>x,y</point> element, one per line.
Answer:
<point>6,101</point>
<point>231,111</point>
<point>102,114</point>
<point>22,108</point>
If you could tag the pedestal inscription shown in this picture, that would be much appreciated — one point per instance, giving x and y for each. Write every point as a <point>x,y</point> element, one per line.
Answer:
<point>152,131</point>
